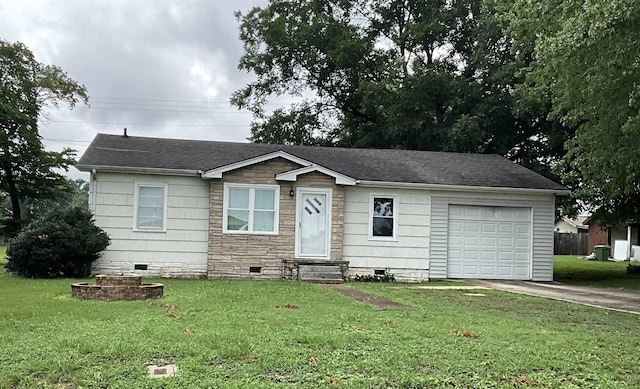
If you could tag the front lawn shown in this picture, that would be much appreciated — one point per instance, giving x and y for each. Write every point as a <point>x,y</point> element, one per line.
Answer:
<point>575,270</point>
<point>276,334</point>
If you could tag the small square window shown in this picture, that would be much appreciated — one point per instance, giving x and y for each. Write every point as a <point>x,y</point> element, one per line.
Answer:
<point>383,217</point>
<point>150,207</point>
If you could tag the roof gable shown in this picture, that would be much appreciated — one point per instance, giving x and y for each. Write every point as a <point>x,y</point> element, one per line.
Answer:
<point>219,171</point>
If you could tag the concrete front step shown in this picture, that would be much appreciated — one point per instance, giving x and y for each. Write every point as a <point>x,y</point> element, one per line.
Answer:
<point>320,273</point>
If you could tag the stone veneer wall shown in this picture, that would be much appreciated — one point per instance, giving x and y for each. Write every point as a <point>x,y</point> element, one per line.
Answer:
<point>231,255</point>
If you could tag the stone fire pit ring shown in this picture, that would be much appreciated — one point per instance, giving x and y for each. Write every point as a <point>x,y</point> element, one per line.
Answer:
<point>116,287</point>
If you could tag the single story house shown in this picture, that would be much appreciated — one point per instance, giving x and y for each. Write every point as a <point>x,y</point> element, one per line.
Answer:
<point>566,225</point>
<point>186,208</point>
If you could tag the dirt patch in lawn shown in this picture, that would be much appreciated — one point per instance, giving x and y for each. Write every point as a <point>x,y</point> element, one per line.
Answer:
<point>378,302</point>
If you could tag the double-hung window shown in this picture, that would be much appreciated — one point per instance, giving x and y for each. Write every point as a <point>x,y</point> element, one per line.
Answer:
<point>251,209</point>
<point>383,221</point>
<point>150,207</point>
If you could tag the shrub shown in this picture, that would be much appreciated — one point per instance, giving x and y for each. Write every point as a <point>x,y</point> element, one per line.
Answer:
<point>633,268</point>
<point>62,243</point>
<point>375,278</point>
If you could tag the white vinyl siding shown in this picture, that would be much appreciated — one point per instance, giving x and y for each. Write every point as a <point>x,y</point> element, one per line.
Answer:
<point>181,251</point>
<point>542,219</point>
<point>406,256</point>
<point>150,207</point>
<point>250,209</point>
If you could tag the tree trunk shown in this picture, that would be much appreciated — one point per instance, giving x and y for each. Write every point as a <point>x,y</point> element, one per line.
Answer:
<point>13,192</point>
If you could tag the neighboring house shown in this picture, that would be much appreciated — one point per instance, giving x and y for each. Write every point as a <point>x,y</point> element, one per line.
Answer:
<point>240,210</point>
<point>624,239</point>
<point>565,225</point>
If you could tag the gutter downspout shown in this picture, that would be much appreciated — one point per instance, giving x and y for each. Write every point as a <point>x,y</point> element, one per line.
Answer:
<point>93,183</point>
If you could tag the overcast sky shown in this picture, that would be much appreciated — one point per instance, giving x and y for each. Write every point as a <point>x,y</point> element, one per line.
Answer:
<point>162,68</point>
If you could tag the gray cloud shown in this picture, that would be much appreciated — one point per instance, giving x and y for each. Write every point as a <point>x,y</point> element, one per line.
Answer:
<point>158,67</point>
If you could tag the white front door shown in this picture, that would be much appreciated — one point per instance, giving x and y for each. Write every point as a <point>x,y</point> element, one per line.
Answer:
<point>313,227</point>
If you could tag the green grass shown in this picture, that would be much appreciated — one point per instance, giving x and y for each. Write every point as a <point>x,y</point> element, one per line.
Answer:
<point>241,338</point>
<point>578,271</point>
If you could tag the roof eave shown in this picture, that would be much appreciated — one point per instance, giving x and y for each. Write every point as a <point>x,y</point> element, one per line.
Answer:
<point>463,188</point>
<point>143,170</point>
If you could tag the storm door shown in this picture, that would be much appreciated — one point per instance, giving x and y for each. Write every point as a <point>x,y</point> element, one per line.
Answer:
<point>313,227</point>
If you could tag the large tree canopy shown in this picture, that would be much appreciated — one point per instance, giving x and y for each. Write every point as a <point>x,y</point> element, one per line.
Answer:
<point>429,75</point>
<point>587,58</point>
<point>27,88</point>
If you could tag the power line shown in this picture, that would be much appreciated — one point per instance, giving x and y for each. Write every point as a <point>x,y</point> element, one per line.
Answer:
<point>148,124</point>
<point>170,101</point>
<point>159,110</point>
<point>164,100</point>
<point>67,140</point>
<point>155,105</point>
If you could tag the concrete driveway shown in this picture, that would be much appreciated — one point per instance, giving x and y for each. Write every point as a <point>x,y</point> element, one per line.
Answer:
<point>617,300</point>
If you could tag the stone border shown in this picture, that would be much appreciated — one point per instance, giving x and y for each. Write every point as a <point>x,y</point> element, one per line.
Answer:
<point>117,287</point>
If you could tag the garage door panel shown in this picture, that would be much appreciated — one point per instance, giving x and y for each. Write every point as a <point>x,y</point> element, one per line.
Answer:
<point>505,242</point>
<point>455,254</point>
<point>471,241</point>
<point>521,257</point>
<point>471,254</point>
<point>455,226</point>
<point>489,242</point>
<point>489,256</point>
<point>488,228</point>
<point>505,228</point>
<point>472,228</point>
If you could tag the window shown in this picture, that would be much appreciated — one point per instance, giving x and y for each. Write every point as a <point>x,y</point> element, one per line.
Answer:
<point>150,207</point>
<point>383,221</point>
<point>251,209</point>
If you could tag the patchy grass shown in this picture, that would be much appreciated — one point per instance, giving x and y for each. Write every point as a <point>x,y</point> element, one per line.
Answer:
<point>248,334</point>
<point>579,271</point>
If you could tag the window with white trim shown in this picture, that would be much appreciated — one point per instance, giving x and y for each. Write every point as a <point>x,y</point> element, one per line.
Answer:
<point>383,223</point>
<point>251,209</point>
<point>150,207</point>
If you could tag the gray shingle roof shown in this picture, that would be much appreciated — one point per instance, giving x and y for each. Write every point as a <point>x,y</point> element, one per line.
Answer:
<point>389,165</point>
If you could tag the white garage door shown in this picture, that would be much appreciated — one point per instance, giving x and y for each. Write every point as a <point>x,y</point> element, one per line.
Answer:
<point>489,242</point>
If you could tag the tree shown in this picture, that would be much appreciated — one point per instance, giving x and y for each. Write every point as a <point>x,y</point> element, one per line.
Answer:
<point>428,75</point>
<point>586,59</point>
<point>27,88</point>
<point>76,194</point>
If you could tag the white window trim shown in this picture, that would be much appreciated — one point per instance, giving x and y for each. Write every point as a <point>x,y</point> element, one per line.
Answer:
<point>396,204</point>
<point>225,207</point>
<point>165,189</point>
<point>329,193</point>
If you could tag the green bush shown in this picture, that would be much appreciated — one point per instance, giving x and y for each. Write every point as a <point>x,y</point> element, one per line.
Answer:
<point>375,278</point>
<point>633,268</point>
<point>62,243</point>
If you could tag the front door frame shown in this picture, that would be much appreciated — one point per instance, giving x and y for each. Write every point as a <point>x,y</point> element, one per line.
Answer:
<point>299,207</point>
